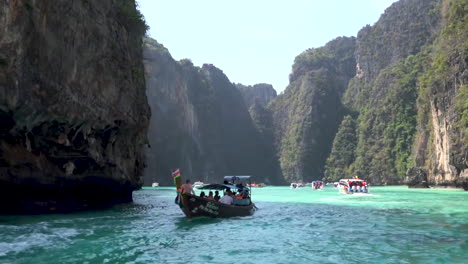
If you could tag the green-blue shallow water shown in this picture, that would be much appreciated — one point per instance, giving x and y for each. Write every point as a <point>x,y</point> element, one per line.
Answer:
<point>392,225</point>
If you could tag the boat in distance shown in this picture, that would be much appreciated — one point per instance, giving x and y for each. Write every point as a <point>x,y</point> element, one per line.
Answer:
<point>198,184</point>
<point>353,186</point>
<point>317,185</point>
<point>196,206</point>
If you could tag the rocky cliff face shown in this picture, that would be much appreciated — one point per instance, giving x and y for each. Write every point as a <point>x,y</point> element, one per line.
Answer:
<point>404,28</point>
<point>261,93</point>
<point>391,99</point>
<point>199,124</point>
<point>73,109</point>
<point>306,116</point>
<point>409,94</point>
<point>390,59</point>
<point>442,138</point>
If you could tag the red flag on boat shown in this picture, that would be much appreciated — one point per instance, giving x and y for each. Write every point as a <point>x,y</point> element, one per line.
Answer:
<point>177,182</point>
<point>175,173</point>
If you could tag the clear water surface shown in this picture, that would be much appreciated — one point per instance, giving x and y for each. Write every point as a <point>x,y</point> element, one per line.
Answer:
<point>392,225</point>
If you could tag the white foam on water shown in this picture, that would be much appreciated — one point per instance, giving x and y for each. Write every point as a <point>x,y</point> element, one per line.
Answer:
<point>40,238</point>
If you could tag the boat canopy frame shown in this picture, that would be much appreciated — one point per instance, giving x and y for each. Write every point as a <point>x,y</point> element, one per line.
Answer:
<point>230,183</point>
<point>216,186</point>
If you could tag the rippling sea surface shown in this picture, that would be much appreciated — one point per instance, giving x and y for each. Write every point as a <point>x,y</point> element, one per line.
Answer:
<point>392,225</point>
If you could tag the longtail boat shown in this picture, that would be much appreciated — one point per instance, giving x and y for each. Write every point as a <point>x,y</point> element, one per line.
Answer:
<point>196,206</point>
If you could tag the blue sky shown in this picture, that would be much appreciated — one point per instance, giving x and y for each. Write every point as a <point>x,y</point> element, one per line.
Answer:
<point>254,41</point>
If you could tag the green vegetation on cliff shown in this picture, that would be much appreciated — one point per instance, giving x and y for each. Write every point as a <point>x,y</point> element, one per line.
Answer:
<point>132,18</point>
<point>461,103</point>
<point>443,100</point>
<point>409,88</point>
<point>343,151</point>
<point>307,115</point>
<point>387,123</point>
<point>392,98</point>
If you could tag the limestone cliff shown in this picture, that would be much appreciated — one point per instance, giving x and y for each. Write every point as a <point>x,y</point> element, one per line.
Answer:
<point>409,95</point>
<point>390,57</point>
<point>442,139</point>
<point>261,93</point>
<point>306,116</point>
<point>73,109</point>
<point>199,123</point>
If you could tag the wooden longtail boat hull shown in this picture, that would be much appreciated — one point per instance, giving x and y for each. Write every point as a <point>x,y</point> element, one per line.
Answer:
<point>194,206</point>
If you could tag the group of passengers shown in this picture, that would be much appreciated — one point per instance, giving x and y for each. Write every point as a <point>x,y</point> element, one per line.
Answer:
<point>210,196</point>
<point>241,198</point>
<point>228,198</point>
<point>317,185</point>
<point>357,186</point>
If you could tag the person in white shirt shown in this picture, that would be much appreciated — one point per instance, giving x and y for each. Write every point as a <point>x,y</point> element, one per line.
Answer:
<point>227,198</point>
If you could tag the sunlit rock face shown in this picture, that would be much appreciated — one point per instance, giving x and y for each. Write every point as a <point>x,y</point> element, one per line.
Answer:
<point>73,108</point>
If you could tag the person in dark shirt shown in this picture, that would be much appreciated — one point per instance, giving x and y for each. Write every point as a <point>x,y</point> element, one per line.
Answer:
<point>217,197</point>
<point>210,196</point>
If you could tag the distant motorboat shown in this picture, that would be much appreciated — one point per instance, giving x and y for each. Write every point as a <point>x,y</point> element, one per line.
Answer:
<point>257,185</point>
<point>296,185</point>
<point>317,185</point>
<point>198,184</point>
<point>353,186</point>
<point>155,184</point>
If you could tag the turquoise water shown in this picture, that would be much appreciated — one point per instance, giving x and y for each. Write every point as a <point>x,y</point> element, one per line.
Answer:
<point>393,225</point>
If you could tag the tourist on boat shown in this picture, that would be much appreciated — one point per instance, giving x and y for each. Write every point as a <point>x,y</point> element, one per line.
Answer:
<point>187,188</point>
<point>210,196</point>
<point>202,195</point>
<point>216,196</point>
<point>227,198</point>
<point>230,193</point>
<point>364,186</point>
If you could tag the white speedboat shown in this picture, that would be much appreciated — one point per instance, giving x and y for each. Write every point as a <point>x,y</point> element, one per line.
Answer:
<point>352,186</point>
<point>155,184</point>
<point>198,184</point>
